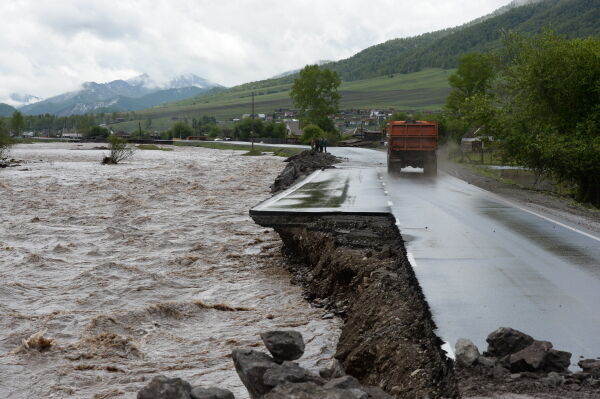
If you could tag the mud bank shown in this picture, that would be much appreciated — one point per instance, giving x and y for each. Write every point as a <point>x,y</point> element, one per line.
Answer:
<point>356,267</point>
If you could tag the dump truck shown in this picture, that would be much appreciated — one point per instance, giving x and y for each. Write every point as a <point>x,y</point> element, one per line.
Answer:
<point>412,143</point>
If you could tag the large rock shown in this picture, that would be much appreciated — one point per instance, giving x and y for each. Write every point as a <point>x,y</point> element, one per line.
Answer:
<point>289,372</point>
<point>251,367</point>
<point>162,387</point>
<point>309,390</point>
<point>591,366</point>
<point>284,345</point>
<point>332,369</point>
<point>376,392</point>
<point>506,341</point>
<point>466,352</point>
<point>211,393</point>
<point>557,361</point>
<point>345,382</point>
<point>532,358</point>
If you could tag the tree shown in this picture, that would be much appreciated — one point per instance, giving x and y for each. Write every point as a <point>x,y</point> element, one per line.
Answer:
<point>120,150</point>
<point>243,128</point>
<point>98,131</point>
<point>275,130</point>
<point>181,130</point>
<point>311,132</point>
<point>5,141</point>
<point>551,109</point>
<point>315,95</point>
<point>17,123</point>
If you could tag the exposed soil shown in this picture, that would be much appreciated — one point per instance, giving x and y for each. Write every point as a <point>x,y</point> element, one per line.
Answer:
<point>485,382</point>
<point>356,267</point>
<point>301,165</point>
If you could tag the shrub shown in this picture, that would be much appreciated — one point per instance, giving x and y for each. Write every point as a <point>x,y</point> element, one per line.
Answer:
<point>5,144</point>
<point>120,150</point>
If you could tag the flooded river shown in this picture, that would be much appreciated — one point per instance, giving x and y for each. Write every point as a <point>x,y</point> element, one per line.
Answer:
<point>143,268</point>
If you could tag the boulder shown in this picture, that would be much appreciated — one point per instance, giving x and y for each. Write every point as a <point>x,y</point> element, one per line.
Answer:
<point>211,393</point>
<point>289,372</point>
<point>487,361</point>
<point>333,369</point>
<point>505,341</point>
<point>376,392</point>
<point>345,382</point>
<point>466,352</point>
<point>284,345</point>
<point>531,358</point>
<point>591,366</point>
<point>557,361</point>
<point>251,367</point>
<point>309,390</point>
<point>553,379</point>
<point>162,387</point>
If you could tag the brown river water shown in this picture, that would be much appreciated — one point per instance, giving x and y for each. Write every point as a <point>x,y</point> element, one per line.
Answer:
<point>149,267</point>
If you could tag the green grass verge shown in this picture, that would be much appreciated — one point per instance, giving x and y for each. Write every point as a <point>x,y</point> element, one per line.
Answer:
<point>277,151</point>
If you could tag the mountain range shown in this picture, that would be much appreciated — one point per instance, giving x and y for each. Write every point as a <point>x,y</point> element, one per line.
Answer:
<point>121,95</point>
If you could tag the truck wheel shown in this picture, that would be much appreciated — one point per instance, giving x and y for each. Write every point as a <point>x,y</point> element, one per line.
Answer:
<point>430,167</point>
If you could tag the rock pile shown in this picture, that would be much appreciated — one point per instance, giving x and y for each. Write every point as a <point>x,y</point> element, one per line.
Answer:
<point>271,377</point>
<point>515,358</point>
<point>302,165</point>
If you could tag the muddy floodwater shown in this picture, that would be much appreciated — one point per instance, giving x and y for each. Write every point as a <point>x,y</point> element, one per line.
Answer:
<point>110,275</point>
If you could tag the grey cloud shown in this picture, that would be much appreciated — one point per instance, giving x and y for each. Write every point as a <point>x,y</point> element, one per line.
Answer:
<point>49,47</point>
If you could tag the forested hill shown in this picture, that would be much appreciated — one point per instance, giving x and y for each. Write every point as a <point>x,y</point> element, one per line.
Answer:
<point>6,110</point>
<point>441,49</point>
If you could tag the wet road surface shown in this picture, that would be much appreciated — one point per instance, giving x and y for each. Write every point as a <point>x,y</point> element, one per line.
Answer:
<point>329,191</point>
<point>484,262</point>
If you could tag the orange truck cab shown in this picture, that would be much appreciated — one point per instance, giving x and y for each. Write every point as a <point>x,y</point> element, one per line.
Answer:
<point>412,143</point>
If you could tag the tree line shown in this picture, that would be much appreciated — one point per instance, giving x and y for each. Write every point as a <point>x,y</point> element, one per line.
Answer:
<point>539,97</point>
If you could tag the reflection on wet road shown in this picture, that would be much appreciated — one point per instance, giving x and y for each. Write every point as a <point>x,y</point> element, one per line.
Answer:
<point>485,263</point>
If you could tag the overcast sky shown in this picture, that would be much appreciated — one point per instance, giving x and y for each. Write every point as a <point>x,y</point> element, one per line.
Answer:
<point>51,46</point>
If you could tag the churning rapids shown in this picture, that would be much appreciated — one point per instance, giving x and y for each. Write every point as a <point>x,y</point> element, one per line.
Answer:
<point>148,267</point>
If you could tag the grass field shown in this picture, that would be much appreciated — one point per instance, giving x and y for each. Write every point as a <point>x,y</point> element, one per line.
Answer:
<point>424,90</point>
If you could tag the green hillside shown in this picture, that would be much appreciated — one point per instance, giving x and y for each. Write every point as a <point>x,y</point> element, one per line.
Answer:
<point>441,49</point>
<point>403,74</point>
<point>6,110</point>
<point>426,89</point>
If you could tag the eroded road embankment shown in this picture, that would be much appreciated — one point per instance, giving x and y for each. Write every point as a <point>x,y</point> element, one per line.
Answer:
<point>356,266</point>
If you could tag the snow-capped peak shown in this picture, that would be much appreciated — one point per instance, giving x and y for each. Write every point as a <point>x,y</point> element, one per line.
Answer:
<point>142,80</point>
<point>21,99</point>
<point>189,80</point>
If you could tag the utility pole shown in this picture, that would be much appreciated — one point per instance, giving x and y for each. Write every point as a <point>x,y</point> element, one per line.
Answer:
<point>252,129</point>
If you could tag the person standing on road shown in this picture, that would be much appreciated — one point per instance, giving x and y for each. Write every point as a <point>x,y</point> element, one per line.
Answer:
<point>324,144</point>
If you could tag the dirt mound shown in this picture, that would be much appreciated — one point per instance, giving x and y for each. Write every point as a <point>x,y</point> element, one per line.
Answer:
<point>301,165</point>
<point>356,267</point>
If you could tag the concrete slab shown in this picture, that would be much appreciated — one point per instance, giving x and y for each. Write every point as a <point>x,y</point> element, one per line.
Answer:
<point>331,191</point>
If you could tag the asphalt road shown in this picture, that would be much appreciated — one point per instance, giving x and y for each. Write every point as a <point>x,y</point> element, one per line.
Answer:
<point>484,262</point>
